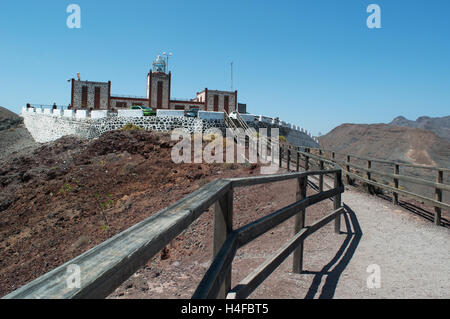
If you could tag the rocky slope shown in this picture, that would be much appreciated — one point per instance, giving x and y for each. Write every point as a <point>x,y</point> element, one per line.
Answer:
<point>8,119</point>
<point>439,125</point>
<point>70,195</point>
<point>14,137</point>
<point>393,143</point>
<point>404,144</point>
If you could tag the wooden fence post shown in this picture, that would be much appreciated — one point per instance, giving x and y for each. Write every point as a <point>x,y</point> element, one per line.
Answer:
<point>321,176</point>
<point>223,226</point>
<point>302,184</point>
<point>281,156</point>
<point>333,156</point>
<point>348,170</point>
<point>369,166</point>
<point>395,195</point>
<point>306,160</point>
<point>289,159</point>
<point>337,203</point>
<point>437,210</point>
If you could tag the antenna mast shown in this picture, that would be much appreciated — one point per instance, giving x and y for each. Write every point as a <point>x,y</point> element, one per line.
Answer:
<point>231,76</point>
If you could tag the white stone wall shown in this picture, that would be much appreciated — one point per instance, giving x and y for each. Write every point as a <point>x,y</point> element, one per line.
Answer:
<point>45,128</point>
<point>130,113</point>
<point>69,113</point>
<point>49,127</point>
<point>175,113</point>
<point>99,114</point>
<point>206,115</point>
<point>81,114</point>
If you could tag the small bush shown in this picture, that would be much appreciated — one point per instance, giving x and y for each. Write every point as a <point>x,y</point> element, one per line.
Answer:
<point>131,127</point>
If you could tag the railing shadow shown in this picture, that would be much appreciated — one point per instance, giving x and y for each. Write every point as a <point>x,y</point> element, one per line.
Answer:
<point>340,261</point>
<point>419,211</point>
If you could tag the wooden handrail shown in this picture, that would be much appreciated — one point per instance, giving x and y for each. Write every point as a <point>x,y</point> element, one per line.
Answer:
<point>398,176</point>
<point>376,160</point>
<point>439,186</point>
<point>106,266</point>
<point>253,280</point>
<point>216,281</point>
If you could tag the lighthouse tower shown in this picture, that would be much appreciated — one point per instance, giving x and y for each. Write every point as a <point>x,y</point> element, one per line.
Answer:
<point>158,84</point>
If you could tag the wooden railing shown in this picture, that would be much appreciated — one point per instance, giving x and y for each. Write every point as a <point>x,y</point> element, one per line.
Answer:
<point>106,266</point>
<point>351,170</point>
<point>217,281</point>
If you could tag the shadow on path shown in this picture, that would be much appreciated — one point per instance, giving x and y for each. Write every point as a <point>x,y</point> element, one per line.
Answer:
<point>339,261</point>
<point>426,214</point>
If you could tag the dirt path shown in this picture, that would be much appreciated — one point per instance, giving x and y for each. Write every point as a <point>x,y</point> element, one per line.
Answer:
<point>413,255</point>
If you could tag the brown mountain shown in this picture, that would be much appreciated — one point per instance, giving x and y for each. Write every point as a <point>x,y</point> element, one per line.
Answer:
<point>14,137</point>
<point>398,143</point>
<point>8,119</point>
<point>393,143</point>
<point>438,125</point>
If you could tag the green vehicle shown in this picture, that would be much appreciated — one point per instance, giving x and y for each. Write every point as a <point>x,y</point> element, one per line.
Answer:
<point>148,111</point>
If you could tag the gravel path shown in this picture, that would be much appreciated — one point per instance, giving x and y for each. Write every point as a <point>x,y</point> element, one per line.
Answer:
<point>412,253</point>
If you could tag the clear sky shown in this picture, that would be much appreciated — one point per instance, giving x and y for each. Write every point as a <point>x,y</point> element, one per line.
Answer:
<point>312,63</point>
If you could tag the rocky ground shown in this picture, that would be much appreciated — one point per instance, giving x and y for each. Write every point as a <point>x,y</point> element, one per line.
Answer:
<point>15,140</point>
<point>67,196</point>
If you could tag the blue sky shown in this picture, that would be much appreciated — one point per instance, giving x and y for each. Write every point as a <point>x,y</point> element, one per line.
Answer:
<point>312,63</point>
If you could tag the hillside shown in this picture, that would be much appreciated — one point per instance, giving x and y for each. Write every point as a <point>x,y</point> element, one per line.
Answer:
<point>439,125</point>
<point>14,137</point>
<point>8,119</point>
<point>405,144</point>
<point>394,143</point>
<point>67,196</point>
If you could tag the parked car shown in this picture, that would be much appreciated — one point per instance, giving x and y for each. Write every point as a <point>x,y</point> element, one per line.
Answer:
<point>148,111</point>
<point>192,112</point>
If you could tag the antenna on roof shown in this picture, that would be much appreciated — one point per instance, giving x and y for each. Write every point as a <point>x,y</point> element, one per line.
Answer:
<point>231,76</point>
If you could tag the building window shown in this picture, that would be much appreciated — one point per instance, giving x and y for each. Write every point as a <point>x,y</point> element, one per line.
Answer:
<point>84,97</point>
<point>121,105</point>
<point>216,103</point>
<point>179,107</point>
<point>226,103</point>
<point>159,96</point>
<point>97,98</point>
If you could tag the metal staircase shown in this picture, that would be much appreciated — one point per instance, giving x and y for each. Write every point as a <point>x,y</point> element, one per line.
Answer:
<point>254,137</point>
